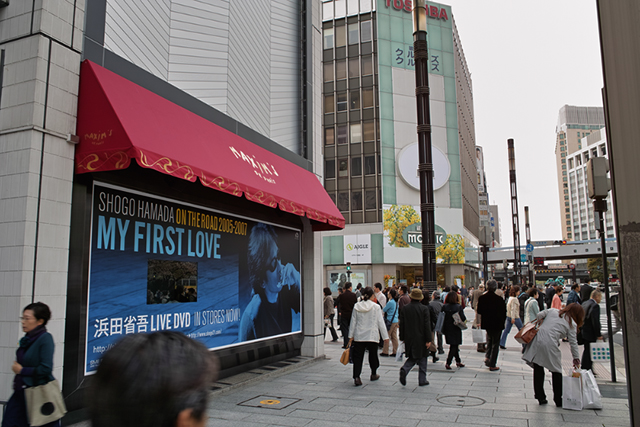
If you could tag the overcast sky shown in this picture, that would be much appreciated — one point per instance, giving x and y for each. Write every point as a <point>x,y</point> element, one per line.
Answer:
<point>527,60</point>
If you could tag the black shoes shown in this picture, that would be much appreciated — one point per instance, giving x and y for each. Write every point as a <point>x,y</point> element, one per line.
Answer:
<point>357,381</point>
<point>403,377</point>
<point>435,359</point>
<point>440,351</point>
<point>384,354</point>
<point>374,377</point>
<point>543,401</point>
<point>503,347</point>
<point>424,383</point>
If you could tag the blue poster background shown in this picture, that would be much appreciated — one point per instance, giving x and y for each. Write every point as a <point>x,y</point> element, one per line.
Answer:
<point>131,228</point>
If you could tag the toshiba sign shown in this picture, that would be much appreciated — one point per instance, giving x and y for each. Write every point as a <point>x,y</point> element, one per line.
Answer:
<point>406,5</point>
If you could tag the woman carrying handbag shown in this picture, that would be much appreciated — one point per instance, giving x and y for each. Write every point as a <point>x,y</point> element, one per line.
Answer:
<point>33,367</point>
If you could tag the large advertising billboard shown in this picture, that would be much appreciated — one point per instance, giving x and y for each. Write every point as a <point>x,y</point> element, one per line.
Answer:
<point>159,264</point>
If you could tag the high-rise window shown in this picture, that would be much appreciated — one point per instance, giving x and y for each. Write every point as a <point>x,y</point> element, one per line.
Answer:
<point>343,168</point>
<point>341,69</point>
<point>328,71</point>
<point>367,65</point>
<point>354,103</point>
<point>370,165</point>
<point>343,135</point>
<point>356,200</point>
<point>365,28</point>
<point>328,38</point>
<point>330,169</point>
<point>368,131</point>
<point>329,104</point>
<point>341,36</point>
<point>342,101</point>
<point>356,166</point>
<point>370,199</point>
<point>367,98</point>
<point>353,33</point>
<point>343,201</point>
<point>354,67</point>
<point>356,133</point>
<point>329,136</point>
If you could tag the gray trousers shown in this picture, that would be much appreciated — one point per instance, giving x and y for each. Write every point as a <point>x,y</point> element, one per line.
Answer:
<point>422,366</point>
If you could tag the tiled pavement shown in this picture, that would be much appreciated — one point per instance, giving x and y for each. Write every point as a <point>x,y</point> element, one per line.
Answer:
<point>321,392</point>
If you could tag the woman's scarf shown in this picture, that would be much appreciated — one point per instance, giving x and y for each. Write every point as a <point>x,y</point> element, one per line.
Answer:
<point>31,336</point>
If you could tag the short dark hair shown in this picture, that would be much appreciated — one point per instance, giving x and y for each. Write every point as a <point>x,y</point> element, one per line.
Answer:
<point>532,292</point>
<point>359,286</point>
<point>575,286</point>
<point>377,286</point>
<point>327,291</point>
<point>404,289</point>
<point>492,285</point>
<point>393,293</point>
<point>347,285</point>
<point>40,311</point>
<point>148,379</point>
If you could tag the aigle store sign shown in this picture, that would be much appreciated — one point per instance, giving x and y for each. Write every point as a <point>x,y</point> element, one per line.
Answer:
<point>406,5</point>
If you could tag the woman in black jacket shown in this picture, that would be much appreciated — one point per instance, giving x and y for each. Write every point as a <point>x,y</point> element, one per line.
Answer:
<point>451,332</point>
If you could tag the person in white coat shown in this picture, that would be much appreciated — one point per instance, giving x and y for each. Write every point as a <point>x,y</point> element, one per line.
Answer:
<point>544,351</point>
<point>367,326</point>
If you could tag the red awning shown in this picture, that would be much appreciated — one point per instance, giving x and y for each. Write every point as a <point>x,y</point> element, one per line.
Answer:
<point>119,121</point>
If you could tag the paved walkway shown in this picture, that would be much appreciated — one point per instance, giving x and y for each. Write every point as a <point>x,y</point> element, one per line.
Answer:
<point>320,392</point>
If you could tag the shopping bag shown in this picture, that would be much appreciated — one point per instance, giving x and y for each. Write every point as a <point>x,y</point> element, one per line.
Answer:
<point>45,403</point>
<point>400,352</point>
<point>572,393</point>
<point>599,351</point>
<point>591,397</point>
<point>457,320</point>
<point>526,334</point>
<point>439,322</point>
<point>478,336</point>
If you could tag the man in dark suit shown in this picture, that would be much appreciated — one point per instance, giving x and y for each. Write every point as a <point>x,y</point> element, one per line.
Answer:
<point>346,301</point>
<point>591,328</point>
<point>493,313</point>
<point>585,292</point>
<point>549,292</point>
<point>415,332</point>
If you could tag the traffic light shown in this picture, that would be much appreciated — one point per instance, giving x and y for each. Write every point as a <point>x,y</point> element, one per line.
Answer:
<point>559,242</point>
<point>348,266</point>
<point>598,184</point>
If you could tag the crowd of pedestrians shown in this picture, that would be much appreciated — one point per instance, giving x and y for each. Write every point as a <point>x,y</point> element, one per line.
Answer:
<point>417,323</point>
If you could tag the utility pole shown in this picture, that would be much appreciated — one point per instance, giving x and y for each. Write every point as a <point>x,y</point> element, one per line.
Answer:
<point>514,212</point>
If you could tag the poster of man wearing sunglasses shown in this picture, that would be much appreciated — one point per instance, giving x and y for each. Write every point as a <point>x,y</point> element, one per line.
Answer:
<point>274,307</point>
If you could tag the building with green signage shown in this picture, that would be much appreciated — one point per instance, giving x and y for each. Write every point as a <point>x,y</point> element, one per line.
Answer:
<point>370,145</point>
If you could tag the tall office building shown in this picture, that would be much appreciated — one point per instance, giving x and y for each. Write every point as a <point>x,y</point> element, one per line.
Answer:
<point>496,231</point>
<point>574,124</point>
<point>370,144</point>
<point>581,226</point>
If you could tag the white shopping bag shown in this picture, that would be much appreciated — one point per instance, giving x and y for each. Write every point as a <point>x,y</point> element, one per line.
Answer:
<point>599,351</point>
<point>400,352</point>
<point>591,397</point>
<point>478,336</point>
<point>572,393</point>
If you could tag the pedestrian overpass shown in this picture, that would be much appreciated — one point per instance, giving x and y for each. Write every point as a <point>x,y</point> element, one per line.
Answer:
<point>551,251</point>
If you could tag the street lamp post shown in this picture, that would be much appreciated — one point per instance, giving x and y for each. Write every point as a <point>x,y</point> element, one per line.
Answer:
<point>425,160</point>
<point>528,235</point>
<point>514,212</point>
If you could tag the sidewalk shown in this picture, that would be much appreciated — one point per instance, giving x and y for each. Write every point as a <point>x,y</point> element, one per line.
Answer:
<point>320,392</point>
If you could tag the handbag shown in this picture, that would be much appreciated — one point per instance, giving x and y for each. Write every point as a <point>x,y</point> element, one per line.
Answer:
<point>457,320</point>
<point>572,392</point>
<point>346,354</point>
<point>599,351</point>
<point>478,336</point>
<point>526,334</point>
<point>45,403</point>
<point>439,322</point>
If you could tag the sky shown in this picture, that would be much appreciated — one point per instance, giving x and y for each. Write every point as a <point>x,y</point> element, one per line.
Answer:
<point>527,60</point>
